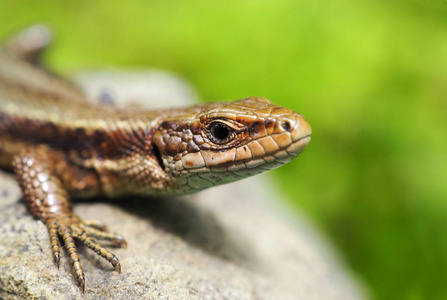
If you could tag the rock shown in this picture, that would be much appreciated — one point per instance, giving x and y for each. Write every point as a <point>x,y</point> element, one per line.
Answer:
<point>230,242</point>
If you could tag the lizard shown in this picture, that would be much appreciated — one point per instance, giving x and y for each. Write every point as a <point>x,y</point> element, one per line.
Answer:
<point>61,146</point>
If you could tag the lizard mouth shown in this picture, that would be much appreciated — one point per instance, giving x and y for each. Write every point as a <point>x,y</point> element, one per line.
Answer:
<point>207,176</point>
<point>299,145</point>
<point>257,163</point>
<point>278,158</point>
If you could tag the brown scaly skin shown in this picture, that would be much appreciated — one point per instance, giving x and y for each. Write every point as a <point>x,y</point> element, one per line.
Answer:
<point>59,145</point>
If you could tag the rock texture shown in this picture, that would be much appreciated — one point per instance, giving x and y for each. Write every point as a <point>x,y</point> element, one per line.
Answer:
<point>230,242</point>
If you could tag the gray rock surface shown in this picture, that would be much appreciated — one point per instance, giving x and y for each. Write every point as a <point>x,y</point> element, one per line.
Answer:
<point>230,242</point>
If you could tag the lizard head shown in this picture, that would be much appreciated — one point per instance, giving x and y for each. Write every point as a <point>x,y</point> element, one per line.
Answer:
<point>217,143</point>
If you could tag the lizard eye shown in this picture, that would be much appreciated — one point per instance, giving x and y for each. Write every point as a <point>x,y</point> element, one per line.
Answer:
<point>219,133</point>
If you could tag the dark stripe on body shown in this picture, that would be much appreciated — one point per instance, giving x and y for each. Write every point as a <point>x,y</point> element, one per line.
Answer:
<point>98,143</point>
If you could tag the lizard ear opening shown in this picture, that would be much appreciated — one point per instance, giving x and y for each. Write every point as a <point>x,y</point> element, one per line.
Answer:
<point>158,156</point>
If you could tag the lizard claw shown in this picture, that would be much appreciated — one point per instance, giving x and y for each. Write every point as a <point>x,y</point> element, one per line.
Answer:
<point>70,228</point>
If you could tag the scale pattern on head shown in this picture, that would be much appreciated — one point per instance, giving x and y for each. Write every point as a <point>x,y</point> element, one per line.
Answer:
<point>224,142</point>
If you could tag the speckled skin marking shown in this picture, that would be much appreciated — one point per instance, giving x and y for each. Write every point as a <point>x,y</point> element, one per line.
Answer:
<point>61,146</point>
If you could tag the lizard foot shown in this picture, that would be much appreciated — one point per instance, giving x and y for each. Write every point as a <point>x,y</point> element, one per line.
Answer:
<point>70,228</point>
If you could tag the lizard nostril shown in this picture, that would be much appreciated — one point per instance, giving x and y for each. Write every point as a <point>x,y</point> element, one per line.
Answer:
<point>285,125</point>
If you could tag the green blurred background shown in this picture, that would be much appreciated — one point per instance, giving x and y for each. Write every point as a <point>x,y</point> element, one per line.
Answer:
<point>370,76</point>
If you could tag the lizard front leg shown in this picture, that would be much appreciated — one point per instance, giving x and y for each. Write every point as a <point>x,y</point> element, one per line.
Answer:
<point>48,201</point>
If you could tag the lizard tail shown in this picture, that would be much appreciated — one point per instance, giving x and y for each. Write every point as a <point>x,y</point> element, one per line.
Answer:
<point>29,43</point>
